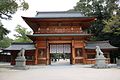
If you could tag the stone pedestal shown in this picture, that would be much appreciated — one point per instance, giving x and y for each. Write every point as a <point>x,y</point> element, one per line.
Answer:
<point>118,62</point>
<point>100,59</point>
<point>20,63</point>
<point>100,62</point>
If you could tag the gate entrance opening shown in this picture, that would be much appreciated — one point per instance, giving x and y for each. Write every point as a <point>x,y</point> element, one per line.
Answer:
<point>60,53</point>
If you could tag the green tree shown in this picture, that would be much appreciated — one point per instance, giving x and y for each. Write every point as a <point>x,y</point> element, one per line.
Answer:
<point>7,8</point>
<point>3,31</point>
<point>21,36</point>
<point>101,9</point>
<point>5,42</point>
<point>112,27</point>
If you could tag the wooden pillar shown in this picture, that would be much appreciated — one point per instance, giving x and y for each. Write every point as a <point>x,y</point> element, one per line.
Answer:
<point>48,54</point>
<point>108,56</point>
<point>73,52</point>
<point>36,56</point>
<point>84,55</point>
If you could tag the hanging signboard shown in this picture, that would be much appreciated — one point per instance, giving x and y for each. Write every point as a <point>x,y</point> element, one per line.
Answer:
<point>64,48</point>
<point>53,48</point>
<point>59,48</point>
<point>67,48</point>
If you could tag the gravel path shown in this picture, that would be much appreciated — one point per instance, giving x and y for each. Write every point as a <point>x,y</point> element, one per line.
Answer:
<point>59,71</point>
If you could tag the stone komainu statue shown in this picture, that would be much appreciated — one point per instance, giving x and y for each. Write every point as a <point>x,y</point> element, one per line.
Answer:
<point>21,53</point>
<point>21,61</point>
<point>78,52</point>
<point>98,51</point>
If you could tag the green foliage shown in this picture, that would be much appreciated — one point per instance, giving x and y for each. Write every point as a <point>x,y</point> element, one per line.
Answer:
<point>8,7</point>
<point>98,8</point>
<point>101,9</point>
<point>21,36</point>
<point>112,27</point>
<point>3,31</point>
<point>5,42</point>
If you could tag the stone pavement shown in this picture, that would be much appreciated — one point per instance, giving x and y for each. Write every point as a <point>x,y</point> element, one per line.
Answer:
<point>58,71</point>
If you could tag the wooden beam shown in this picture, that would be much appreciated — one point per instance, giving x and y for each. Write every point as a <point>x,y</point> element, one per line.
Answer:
<point>59,41</point>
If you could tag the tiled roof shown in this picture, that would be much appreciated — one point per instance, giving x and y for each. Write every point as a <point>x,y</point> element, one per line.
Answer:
<point>19,46</point>
<point>89,45</point>
<point>59,14</point>
<point>50,35</point>
<point>101,44</point>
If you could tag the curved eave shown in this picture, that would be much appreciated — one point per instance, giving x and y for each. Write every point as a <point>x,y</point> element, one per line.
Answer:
<point>86,19</point>
<point>59,35</point>
<point>33,22</point>
<point>76,19</point>
<point>19,46</point>
<point>34,36</point>
<point>114,48</point>
<point>104,45</point>
<point>7,50</point>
